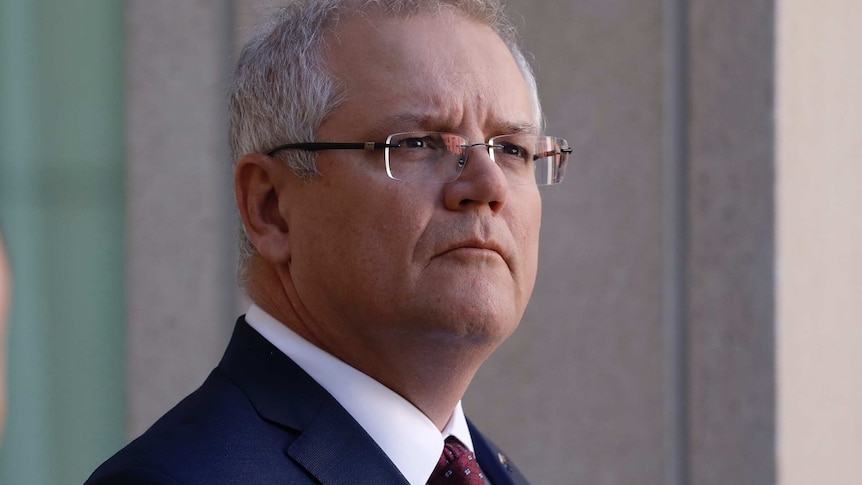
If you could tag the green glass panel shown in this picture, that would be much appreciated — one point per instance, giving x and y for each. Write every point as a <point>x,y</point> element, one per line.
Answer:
<point>62,215</point>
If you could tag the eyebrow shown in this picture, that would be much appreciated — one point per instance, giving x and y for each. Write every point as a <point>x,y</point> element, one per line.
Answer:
<point>429,122</point>
<point>412,121</point>
<point>520,128</point>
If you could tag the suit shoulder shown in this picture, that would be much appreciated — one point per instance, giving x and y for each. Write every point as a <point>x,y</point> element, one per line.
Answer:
<point>131,476</point>
<point>212,436</point>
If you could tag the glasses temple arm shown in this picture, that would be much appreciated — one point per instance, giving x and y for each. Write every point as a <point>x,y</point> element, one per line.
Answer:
<point>553,152</point>
<point>317,146</point>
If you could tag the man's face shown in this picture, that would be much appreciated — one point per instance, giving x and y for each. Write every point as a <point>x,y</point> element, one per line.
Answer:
<point>375,261</point>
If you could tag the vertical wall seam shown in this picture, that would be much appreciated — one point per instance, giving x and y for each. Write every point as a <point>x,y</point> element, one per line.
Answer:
<point>675,236</point>
<point>231,220</point>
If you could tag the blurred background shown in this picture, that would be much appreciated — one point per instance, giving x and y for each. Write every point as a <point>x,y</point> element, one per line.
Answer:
<point>698,313</point>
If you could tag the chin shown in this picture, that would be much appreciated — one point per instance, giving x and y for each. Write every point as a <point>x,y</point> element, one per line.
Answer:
<point>482,324</point>
<point>473,307</point>
<point>490,332</point>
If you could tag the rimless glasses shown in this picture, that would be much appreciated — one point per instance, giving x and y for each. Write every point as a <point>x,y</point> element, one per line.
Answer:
<point>441,157</point>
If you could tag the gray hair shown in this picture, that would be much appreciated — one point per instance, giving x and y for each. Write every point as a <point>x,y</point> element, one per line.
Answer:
<point>281,91</point>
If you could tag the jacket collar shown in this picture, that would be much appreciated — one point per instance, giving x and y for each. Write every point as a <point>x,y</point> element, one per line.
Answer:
<point>330,444</point>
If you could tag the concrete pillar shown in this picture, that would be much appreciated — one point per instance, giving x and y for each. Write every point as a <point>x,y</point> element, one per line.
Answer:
<point>180,222</point>
<point>731,225</point>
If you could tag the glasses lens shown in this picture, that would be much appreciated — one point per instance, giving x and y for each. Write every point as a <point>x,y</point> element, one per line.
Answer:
<point>552,153</point>
<point>425,156</point>
<point>530,159</point>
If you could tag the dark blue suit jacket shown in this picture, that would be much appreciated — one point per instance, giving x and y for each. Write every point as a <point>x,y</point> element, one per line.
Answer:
<point>260,419</point>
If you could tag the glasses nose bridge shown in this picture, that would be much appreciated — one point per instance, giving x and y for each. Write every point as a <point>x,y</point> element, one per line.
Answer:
<point>466,150</point>
<point>467,146</point>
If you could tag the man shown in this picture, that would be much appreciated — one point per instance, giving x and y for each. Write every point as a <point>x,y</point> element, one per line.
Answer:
<point>388,154</point>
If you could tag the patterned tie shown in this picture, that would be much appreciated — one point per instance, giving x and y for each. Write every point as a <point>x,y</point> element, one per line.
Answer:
<point>457,466</point>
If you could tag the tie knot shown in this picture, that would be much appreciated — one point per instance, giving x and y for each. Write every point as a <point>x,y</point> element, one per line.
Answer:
<point>457,466</point>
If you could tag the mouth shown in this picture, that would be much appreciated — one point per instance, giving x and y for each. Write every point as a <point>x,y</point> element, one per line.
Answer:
<point>475,251</point>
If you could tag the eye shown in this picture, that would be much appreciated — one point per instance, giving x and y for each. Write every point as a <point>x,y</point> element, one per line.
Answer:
<point>429,142</point>
<point>511,150</point>
<point>412,143</point>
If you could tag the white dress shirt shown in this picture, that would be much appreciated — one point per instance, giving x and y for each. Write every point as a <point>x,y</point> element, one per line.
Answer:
<point>399,428</point>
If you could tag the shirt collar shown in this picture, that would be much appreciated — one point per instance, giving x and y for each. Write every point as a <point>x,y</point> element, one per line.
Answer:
<point>399,428</point>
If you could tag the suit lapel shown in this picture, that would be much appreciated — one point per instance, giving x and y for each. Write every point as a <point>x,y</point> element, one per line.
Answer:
<point>335,449</point>
<point>330,444</point>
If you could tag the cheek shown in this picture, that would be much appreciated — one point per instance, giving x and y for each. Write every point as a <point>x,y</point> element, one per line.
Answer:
<point>373,230</point>
<point>396,228</point>
<point>379,241</point>
<point>526,232</point>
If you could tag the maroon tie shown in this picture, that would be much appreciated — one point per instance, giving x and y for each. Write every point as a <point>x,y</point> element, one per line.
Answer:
<point>457,466</point>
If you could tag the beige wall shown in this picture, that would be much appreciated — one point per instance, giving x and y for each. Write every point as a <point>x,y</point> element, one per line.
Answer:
<point>819,203</point>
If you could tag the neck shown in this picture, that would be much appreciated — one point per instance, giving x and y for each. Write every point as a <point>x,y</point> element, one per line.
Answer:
<point>430,371</point>
<point>433,381</point>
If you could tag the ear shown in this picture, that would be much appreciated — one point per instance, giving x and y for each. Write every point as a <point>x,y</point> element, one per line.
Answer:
<point>258,185</point>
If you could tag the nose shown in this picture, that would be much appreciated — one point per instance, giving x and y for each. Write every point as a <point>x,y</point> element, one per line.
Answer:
<point>482,182</point>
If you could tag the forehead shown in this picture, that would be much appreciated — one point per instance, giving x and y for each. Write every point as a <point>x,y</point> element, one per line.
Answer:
<point>436,70</point>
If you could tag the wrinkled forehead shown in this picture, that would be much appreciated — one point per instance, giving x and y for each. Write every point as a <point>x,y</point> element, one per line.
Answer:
<point>432,58</point>
<point>450,70</point>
